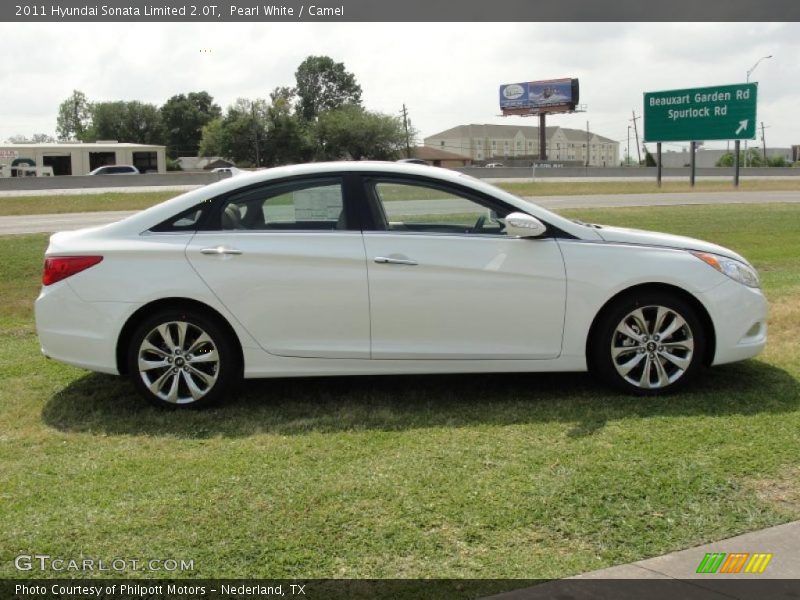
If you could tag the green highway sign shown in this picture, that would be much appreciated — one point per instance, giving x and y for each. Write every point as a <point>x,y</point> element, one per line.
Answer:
<point>723,112</point>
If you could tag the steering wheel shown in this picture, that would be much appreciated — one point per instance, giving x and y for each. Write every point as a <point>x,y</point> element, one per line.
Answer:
<point>478,227</point>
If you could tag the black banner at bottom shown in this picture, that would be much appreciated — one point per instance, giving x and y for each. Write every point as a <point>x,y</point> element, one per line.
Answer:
<point>710,588</point>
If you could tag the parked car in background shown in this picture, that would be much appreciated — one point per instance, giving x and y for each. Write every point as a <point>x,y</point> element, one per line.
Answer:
<point>494,165</point>
<point>361,268</point>
<point>115,170</point>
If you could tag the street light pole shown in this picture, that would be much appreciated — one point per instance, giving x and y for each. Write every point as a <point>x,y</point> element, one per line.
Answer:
<point>750,72</point>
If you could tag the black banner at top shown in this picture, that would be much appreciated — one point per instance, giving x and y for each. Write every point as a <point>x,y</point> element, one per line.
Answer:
<point>399,10</point>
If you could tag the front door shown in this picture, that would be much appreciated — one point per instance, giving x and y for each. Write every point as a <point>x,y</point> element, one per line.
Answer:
<point>445,282</point>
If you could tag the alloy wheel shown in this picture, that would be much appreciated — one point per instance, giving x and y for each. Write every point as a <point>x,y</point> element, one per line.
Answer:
<point>652,347</point>
<point>178,362</point>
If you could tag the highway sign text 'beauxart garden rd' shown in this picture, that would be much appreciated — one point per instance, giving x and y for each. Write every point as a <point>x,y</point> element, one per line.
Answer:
<point>723,112</point>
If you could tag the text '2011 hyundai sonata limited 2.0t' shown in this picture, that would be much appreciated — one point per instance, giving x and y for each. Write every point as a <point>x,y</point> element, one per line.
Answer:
<point>383,268</point>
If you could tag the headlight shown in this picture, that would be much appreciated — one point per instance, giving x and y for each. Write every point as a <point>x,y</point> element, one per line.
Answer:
<point>738,271</point>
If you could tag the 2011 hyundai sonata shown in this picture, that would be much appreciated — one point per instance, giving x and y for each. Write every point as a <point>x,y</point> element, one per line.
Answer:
<point>377,268</point>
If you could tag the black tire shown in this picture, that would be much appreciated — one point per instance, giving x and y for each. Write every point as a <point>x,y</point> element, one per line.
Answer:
<point>196,373</point>
<point>671,361</point>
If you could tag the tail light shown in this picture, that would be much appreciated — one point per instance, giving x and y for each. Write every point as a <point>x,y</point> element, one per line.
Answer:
<point>57,268</point>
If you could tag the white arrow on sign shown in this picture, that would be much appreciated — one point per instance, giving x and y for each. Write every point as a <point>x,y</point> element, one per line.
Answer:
<point>742,126</point>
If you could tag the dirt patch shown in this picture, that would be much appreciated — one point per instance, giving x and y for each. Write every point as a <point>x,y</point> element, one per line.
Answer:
<point>782,492</point>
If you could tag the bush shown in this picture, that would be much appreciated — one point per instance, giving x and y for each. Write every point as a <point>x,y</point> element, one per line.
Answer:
<point>173,165</point>
<point>777,161</point>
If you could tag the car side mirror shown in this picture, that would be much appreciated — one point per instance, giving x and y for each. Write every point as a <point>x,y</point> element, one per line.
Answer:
<point>524,225</point>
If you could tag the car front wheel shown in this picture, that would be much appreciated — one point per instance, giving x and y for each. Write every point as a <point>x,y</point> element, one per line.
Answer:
<point>648,343</point>
<point>182,359</point>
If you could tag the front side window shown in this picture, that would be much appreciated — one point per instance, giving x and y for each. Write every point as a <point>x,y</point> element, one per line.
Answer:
<point>296,206</point>
<point>419,208</point>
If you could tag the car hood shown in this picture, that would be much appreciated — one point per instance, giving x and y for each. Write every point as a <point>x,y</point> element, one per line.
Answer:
<point>639,237</point>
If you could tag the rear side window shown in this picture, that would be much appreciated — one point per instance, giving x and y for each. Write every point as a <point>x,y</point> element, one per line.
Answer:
<point>188,220</point>
<point>316,204</point>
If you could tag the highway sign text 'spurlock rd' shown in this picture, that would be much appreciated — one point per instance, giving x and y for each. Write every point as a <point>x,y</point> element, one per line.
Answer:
<point>723,112</point>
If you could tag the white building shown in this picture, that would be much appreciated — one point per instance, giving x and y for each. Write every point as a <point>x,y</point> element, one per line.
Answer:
<point>75,158</point>
<point>508,142</point>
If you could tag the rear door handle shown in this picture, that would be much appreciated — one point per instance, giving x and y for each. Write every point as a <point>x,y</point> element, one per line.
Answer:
<point>383,260</point>
<point>220,250</point>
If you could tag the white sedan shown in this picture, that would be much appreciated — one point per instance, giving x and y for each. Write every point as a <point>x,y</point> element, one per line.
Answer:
<point>383,268</point>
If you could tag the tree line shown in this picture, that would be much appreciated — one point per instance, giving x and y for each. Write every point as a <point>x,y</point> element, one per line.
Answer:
<point>755,158</point>
<point>321,117</point>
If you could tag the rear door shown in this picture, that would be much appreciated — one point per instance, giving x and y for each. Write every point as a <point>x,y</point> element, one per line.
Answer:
<point>286,259</point>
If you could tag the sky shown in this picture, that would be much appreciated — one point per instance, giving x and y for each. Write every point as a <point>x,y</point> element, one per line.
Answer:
<point>446,74</point>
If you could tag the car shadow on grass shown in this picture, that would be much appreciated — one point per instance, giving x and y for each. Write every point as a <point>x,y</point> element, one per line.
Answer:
<point>108,405</point>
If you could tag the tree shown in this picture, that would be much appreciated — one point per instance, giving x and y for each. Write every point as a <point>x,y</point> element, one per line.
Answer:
<point>211,139</point>
<point>133,121</point>
<point>74,117</point>
<point>358,134</point>
<point>240,135</point>
<point>777,161</point>
<point>324,85</point>
<point>288,136</point>
<point>36,138</point>
<point>183,118</point>
<point>754,159</point>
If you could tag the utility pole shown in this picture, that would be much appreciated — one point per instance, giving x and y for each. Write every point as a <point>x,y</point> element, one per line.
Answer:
<point>628,151</point>
<point>636,131</point>
<point>405,126</point>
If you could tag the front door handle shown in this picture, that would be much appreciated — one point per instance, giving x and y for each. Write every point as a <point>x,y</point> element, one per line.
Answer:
<point>220,250</point>
<point>384,260</point>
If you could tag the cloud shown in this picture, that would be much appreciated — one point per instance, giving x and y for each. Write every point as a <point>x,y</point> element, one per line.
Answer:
<point>446,74</point>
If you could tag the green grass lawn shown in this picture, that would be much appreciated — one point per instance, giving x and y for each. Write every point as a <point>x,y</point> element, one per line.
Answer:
<point>542,187</point>
<point>485,476</point>
<point>56,204</point>
<point>41,205</point>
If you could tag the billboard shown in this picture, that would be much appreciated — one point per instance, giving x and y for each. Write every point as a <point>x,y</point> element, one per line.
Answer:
<point>552,95</point>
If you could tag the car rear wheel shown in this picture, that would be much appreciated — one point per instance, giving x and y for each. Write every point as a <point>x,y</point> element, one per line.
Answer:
<point>182,359</point>
<point>648,343</point>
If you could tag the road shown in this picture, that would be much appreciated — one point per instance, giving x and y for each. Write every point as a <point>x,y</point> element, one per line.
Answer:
<point>61,222</point>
